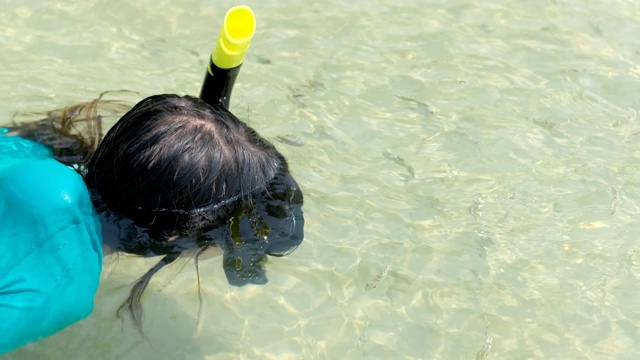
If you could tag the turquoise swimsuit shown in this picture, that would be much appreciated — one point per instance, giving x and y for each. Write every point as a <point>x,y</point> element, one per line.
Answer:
<point>50,244</point>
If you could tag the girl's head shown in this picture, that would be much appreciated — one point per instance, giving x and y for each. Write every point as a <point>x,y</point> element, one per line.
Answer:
<point>176,174</point>
<point>174,162</point>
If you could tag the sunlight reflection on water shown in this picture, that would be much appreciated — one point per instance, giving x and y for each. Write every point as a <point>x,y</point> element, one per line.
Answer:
<point>487,153</point>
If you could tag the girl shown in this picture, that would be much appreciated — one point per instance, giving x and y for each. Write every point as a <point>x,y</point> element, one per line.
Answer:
<point>177,174</point>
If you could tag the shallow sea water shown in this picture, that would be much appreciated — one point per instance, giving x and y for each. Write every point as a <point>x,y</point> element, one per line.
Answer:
<point>470,172</point>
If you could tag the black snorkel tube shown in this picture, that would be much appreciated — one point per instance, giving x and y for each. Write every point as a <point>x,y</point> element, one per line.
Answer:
<point>228,55</point>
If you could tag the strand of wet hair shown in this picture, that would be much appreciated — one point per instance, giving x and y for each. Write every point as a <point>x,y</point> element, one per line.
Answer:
<point>199,317</point>
<point>133,304</point>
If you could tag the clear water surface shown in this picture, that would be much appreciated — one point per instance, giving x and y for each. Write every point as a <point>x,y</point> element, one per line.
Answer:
<point>470,171</point>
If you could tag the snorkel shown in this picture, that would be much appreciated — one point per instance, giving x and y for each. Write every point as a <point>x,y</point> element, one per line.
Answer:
<point>227,56</point>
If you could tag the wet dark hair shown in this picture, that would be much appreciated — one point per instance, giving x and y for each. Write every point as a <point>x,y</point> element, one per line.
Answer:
<point>173,163</point>
<point>176,174</point>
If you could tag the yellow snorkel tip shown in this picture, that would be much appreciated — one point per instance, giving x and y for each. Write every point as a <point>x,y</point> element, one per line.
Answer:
<point>235,37</point>
<point>227,56</point>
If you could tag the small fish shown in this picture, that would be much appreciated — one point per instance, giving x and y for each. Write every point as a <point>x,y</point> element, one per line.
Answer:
<point>290,139</point>
<point>615,202</point>
<point>582,168</point>
<point>426,109</point>
<point>486,348</point>
<point>400,161</point>
<point>395,158</point>
<point>297,97</point>
<point>476,208</point>
<point>378,279</point>
<point>263,60</point>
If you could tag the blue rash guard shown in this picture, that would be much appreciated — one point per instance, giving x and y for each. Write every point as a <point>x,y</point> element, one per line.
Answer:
<point>50,244</point>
